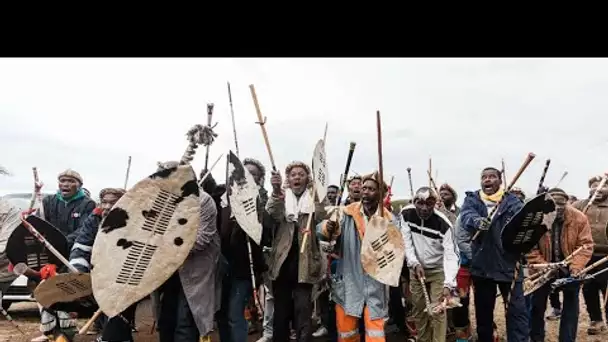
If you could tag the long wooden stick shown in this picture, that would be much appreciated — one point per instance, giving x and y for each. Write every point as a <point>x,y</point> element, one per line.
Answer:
<point>309,221</point>
<point>561,179</point>
<point>597,191</point>
<point>262,123</point>
<point>236,142</point>
<point>521,170</point>
<point>380,166</point>
<point>504,172</point>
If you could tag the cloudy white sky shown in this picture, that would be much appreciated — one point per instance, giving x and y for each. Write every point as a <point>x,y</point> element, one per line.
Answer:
<point>91,114</point>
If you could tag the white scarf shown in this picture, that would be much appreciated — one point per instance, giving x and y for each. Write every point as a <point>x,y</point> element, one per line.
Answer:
<point>295,206</point>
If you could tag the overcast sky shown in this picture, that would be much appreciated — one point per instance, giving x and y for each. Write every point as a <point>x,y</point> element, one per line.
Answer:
<point>91,114</point>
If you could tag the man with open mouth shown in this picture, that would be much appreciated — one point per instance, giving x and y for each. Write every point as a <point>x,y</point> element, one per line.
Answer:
<point>491,266</point>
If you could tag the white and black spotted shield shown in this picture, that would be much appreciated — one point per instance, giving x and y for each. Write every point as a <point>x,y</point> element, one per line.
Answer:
<point>145,238</point>
<point>242,197</point>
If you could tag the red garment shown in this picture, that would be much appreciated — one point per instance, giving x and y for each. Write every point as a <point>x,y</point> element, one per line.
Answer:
<point>463,281</point>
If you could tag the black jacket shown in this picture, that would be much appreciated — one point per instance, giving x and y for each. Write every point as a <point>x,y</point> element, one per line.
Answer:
<point>67,216</point>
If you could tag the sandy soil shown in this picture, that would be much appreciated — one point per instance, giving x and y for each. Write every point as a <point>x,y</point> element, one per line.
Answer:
<point>26,316</point>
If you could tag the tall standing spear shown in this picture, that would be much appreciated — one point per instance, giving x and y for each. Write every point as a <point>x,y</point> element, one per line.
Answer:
<point>128,171</point>
<point>236,142</point>
<point>256,297</point>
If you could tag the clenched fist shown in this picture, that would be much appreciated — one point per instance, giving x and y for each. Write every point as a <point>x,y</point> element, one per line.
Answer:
<point>276,181</point>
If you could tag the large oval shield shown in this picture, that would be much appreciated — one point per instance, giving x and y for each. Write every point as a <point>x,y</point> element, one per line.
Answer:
<point>383,250</point>
<point>523,231</point>
<point>145,238</point>
<point>23,247</point>
<point>242,196</point>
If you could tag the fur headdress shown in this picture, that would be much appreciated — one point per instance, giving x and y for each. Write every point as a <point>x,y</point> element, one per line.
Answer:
<point>558,191</point>
<point>447,187</point>
<point>71,174</point>
<point>257,164</point>
<point>374,177</point>
<point>118,192</point>
<point>594,179</point>
<point>300,164</point>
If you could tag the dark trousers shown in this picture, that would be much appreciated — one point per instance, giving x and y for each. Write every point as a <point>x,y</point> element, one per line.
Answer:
<point>485,300</point>
<point>292,299</point>
<point>175,321</point>
<point>569,319</point>
<point>554,300</point>
<point>591,291</point>
<point>116,329</point>
<point>231,317</point>
<point>396,310</point>
<point>460,315</point>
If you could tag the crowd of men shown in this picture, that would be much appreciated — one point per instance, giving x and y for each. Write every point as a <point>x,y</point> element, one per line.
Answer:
<point>326,281</point>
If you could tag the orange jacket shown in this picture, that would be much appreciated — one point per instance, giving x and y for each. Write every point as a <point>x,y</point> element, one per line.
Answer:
<point>575,233</point>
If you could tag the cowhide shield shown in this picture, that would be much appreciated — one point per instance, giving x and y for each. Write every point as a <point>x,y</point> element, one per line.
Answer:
<point>383,251</point>
<point>523,231</point>
<point>319,168</point>
<point>22,247</point>
<point>63,288</point>
<point>242,196</point>
<point>145,238</point>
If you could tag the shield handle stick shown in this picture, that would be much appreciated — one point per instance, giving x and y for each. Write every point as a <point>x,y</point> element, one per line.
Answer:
<point>521,170</point>
<point>309,221</point>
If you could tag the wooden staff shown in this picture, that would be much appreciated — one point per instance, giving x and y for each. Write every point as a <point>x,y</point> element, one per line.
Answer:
<point>349,158</point>
<point>521,170</point>
<point>430,168</point>
<point>435,189</point>
<point>262,123</point>
<point>542,177</point>
<point>309,221</point>
<point>503,172</point>
<point>597,191</point>
<point>36,196</point>
<point>409,176</point>
<point>236,143</point>
<point>380,165</point>
<point>209,117</point>
<point>128,171</point>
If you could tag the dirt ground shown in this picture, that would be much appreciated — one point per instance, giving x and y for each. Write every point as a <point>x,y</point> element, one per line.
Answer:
<point>26,316</point>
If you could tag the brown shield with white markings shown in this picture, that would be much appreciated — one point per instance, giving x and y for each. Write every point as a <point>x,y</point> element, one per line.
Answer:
<point>63,288</point>
<point>383,250</point>
<point>145,238</point>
